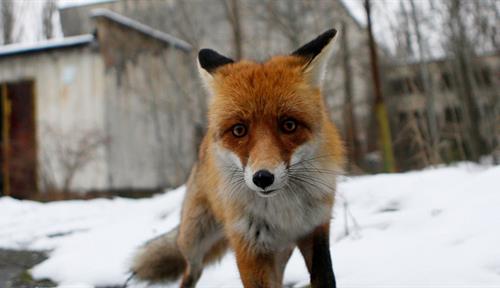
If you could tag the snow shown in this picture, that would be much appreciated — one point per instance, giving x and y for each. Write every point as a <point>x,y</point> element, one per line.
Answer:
<point>63,4</point>
<point>20,48</point>
<point>437,227</point>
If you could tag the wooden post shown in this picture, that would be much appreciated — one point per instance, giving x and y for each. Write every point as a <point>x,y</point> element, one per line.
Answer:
<point>380,110</point>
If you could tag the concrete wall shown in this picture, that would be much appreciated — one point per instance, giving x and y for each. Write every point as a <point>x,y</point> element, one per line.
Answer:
<point>152,108</point>
<point>69,85</point>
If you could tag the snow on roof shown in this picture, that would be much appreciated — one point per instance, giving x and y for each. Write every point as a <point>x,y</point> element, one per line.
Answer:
<point>64,4</point>
<point>147,30</point>
<point>25,48</point>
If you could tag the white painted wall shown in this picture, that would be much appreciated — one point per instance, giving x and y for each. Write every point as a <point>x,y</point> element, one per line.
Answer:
<point>69,93</point>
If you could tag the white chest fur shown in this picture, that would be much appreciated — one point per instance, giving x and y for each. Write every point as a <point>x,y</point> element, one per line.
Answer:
<point>271,223</point>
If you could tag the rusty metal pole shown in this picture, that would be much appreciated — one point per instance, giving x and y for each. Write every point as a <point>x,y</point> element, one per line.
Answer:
<point>380,110</point>
<point>5,114</point>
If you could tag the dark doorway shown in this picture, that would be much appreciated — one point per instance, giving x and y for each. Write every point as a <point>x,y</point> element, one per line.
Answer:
<point>18,141</point>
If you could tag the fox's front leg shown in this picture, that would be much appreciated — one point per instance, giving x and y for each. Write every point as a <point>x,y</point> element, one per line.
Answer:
<point>261,270</point>
<point>200,238</point>
<point>315,249</point>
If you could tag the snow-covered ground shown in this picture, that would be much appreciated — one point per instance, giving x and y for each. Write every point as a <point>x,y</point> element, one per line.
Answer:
<point>434,228</point>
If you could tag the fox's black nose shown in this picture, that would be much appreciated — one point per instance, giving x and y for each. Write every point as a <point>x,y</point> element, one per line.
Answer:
<point>263,178</point>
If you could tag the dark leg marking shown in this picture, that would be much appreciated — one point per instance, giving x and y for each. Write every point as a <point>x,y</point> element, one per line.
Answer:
<point>322,271</point>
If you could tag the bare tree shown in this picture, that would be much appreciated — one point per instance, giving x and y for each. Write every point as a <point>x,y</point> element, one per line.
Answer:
<point>351,134</point>
<point>48,11</point>
<point>427,85</point>
<point>412,144</point>
<point>379,105</point>
<point>462,50</point>
<point>288,18</point>
<point>232,9</point>
<point>7,21</point>
<point>485,15</point>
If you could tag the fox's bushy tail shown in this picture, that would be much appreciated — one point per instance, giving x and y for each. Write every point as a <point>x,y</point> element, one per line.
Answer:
<point>159,259</point>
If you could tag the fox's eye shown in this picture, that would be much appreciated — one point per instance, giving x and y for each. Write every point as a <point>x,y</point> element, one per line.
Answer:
<point>288,126</point>
<point>239,130</point>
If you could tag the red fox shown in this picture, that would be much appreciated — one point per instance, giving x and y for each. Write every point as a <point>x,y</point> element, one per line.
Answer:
<point>264,182</point>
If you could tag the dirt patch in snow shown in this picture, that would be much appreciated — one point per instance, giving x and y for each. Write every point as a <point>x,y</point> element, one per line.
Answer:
<point>14,266</point>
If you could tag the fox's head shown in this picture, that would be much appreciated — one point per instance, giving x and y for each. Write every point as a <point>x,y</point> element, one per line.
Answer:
<point>268,121</point>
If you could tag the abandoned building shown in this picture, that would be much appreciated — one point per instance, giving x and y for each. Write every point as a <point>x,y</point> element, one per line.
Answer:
<point>407,104</point>
<point>112,110</point>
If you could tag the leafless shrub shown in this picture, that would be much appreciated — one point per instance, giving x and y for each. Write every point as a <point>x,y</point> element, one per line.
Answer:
<point>70,153</point>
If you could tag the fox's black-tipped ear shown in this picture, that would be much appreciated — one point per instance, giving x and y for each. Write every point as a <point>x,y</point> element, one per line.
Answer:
<point>316,54</point>
<point>314,48</point>
<point>211,60</point>
<point>208,62</point>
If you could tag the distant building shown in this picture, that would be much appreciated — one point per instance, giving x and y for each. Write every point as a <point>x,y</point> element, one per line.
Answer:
<point>407,105</point>
<point>113,110</point>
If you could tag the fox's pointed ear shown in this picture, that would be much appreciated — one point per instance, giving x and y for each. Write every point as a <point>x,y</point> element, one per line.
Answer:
<point>208,62</point>
<point>316,54</point>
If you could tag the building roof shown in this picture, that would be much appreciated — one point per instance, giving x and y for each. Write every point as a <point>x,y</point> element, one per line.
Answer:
<point>26,48</point>
<point>142,28</point>
<point>64,4</point>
